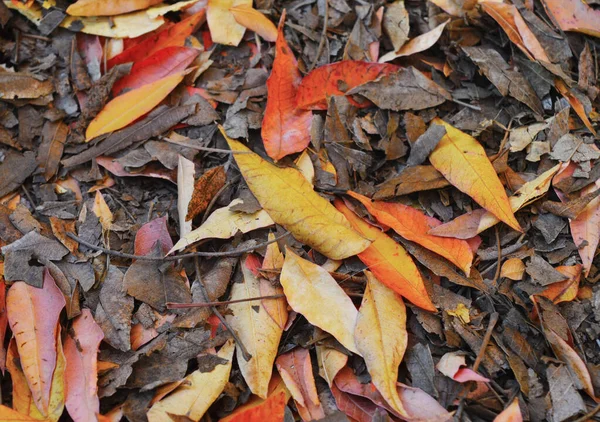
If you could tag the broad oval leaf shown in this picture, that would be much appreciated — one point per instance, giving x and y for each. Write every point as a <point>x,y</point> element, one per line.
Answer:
<point>389,261</point>
<point>223,27</point>
<point>313,220</point>
<point>108,8</point>
<point>381,337</point>
<point>462,160</point>
<point>312,292</point>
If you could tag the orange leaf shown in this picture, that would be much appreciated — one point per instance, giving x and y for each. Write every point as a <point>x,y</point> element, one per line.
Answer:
<point>511,414</point>
<point>574,15</point>
<point>33,317</point>
<point>126,108</point>
<point>575,103</point>
<point>285,129</point>
<point>327,80</point>
<point>295,368</point>
<point>413,225</point>
<point>513,269</point>
<point>585,229</point>
<point>254,21</point>
<point>389,261</point>
<point>564,291</point>
<point>9,415</point>
<point>108,8</point>
<point>462,160</point>
<point>81,351</point>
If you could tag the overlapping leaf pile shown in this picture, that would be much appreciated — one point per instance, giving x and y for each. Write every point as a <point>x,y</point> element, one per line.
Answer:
<point>299,210</point>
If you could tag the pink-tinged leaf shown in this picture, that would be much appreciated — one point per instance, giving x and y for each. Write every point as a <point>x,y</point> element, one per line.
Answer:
<point>90,50</point>
<point>151,170</point>
<point>453,365</point>
<point>33,317</point>
<point>285,129</point>
<point>150,233</point>
<point>295,368</point>
<point>327,80</point>
<point>163,63</point>
<point>586,228</point>
<point>511,414</point>
<point>466,375</point>
<point>355,407</point>
<point>3,324</point>
<point>81,352</point>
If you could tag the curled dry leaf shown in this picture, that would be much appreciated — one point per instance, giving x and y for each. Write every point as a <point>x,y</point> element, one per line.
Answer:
<point>417,44</point>
<point>108,8</point>
<point>255,21</point>
<point>314,220</point>
<point>224,29</point>
<point>381,337</point>
<point>285,128</point>
<point>513,268</point>
<point>575,103</point>
<point>313,292</point>
<point>462,160</point>
<point>389,261</point>
<point>330,362</point>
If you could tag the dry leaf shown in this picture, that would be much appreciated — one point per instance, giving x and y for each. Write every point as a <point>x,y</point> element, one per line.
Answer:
<point>102,211</point>
<point>396,23</point>
<point>15,85</point>
<point>575,103</point>
<point>574,15</point>
<point>417,44</point>
<point>513,268</point>
<point>255,21</point>
<point>205,188</point>
<point>330,362</point>
<point>224,29</point>
<point>108,8</point>
<point>185,189</point>
<point>512,413</point>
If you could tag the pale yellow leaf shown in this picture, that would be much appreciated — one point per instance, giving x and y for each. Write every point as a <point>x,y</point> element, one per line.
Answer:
<point>330,361</point>
<point>185,190</point>
<point>224,29</point>
<point>313,292</point>
<point>257,331</point>
<point>198,391</point>
<point>102,211</point>
<point>306,167</point>
<point>381,337</point>
<point>292,203</point>
<point>513,269</point>
<point>255,21</point>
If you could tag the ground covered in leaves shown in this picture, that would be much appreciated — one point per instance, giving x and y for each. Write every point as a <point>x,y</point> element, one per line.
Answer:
<point>336,210</point>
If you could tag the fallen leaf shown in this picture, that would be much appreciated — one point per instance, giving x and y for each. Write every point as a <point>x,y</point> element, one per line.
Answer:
<point>9,415</point>
<point>205,188</point>
<point>16,85</point>
<point>256,330</point>
<point>381,337</point>
<point>452,365</point>
<point>108,8</point>
<point>81,350</point>
<point>102,211</point>
<point>390,263</point>
<point>462,160</point>
<point>411,179</point>
<point>406,89</point>
<point>413,225</point>
<point>15,169</point>
<point>308,287</point>
<point>198,391</point>
<point>416,45</point>
<point>456,7</point>
<point>224,29</point>
<point>513,269</point>
<point>335,79</point>
<point>285,128</point>
<point>315,221</point>
<point>126,108</point>
<point>159,65</point>
<point>330,361</point>
<point>295,368</point>
<point>512,413</point>
<point>585,229</point>
<point>396,23</point>
<point>54,136</point>
<point>575,103</point>
<point>35,333</point>
<point>564,291</point>
<point>185,189</point>
<point>574,15</point>
<point>255,21</point>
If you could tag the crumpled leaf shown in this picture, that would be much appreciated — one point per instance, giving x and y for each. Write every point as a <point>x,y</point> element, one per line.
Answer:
<point>224,29</point>
<point>81,351</point>
<point>307,287</point>
<point>198,391</point>
<point>417,44</point>
<point>33,318</point>
<point>335,79</point>
<point>255,21</point>
<point>462,160</point>
<point>314,221</point>
<point>381,337</point>
<point>257,331</point>
<point>108,8</point>
<point>124,109</point>
<point>285,128</point>
<point>389,261</point>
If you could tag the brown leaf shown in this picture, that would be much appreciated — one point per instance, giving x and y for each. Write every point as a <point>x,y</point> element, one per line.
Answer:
<point>15,169</point>
<point>572,208</point>
<point>205,189</point>
<point>54,136</point>
<point>16,85</point>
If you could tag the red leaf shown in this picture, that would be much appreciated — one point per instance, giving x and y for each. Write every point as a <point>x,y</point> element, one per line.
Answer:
<point>356,407</point>
<point>285,129</point>
<point>171,36</point>
<point>149,234</point>
<point>327,80</point>
<point>163,63</point>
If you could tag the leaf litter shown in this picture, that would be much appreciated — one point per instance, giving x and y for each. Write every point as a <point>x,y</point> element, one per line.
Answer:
<point>318,210</point>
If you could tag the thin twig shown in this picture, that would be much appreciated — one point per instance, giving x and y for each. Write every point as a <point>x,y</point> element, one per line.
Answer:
<point>462,103</point>
<point>323,37</point>
<point>235,252</point>
<point>172,305</point>
<point>589,415</point>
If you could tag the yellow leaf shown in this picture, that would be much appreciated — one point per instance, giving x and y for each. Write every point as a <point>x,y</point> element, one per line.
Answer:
<point>223,27</point>
<point>102,211</point>
<point>381,338</point>
<point>223,224</point>
<point>9,415</point>
<point>292,203</point>
<point>513,269</point>
<point>312,292</point>
<point>330,361</point>
<point>108,8</point>
<point>273,256</point>
<point>305,166</point>
<point>198,391</point>
<point>257,331</point>
<point>126,108</point>
<point>462,160</point>
<point>255,21</point>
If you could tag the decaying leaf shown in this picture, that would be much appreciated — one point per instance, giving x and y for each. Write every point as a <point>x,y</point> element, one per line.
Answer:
<point>15,85</point>
<point>205,189</point>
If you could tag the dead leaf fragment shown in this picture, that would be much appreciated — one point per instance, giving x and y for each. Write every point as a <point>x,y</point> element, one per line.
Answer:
<point>15,85</point>
<point>205,189</point>
<point>417,44</point>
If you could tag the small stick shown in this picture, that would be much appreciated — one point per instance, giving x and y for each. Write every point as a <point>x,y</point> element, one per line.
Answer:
<point>323,37</point>
<point>172,305</point>
<point>174,257</point>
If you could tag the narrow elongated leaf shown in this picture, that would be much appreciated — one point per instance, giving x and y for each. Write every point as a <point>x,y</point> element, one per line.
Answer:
<point>108,8</point>
<point>33,318</point>
<point>381,337</point>
<point>585,229</point>
<point>314,220</point>
<point>308,288</point>
<point>257,330</point>
<point>462,160</point>
<point>126,108</point>
<point>417,44</point>
<point>389,261</point>
<point>81,351</point>
<point>325,81</point>
<point>254,21</point>
<point>285,128</point>
<point>222,24</point>
<point>185,189</point>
